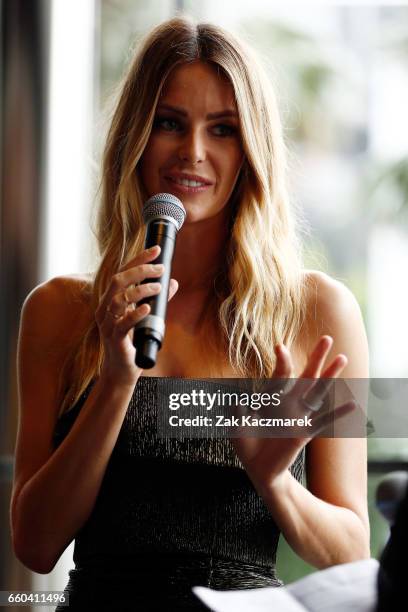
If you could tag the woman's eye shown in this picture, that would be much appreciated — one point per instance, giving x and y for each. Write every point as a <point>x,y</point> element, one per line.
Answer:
<point>224,130</point>
<point>173,125</point>
<point>169,125</point>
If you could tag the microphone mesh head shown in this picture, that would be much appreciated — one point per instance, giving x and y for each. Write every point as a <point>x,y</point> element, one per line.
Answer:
<point>164,205</point>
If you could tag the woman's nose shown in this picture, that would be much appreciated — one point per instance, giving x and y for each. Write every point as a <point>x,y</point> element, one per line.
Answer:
<point>192,148</point>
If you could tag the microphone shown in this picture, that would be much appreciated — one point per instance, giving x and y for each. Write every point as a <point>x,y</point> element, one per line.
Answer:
<point>164,215</point>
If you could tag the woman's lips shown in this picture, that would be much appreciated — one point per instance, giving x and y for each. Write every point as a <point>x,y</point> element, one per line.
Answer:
<point>179,185</point>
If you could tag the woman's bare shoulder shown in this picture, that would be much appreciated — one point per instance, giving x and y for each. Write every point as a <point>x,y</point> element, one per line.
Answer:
<point>59,308</point>
<point>77,288</point>
<point>325,294</point>
<point>330,305</point>
<point>66,292</point>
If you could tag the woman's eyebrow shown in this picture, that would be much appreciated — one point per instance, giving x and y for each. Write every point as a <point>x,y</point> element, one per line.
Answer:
<point>183,113</point>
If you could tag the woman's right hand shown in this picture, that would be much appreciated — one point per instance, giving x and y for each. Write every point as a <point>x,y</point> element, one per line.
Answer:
<point>117,314</point>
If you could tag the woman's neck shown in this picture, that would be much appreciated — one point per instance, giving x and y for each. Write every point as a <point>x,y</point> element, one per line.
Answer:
<point>199,254</point>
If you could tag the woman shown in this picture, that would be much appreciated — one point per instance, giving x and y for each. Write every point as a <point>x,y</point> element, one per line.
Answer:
<point>151,518</point>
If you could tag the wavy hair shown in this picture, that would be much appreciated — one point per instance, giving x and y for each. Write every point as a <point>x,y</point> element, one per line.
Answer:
<point>258,294</point>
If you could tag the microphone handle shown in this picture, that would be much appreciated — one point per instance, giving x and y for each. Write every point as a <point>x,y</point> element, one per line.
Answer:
<point>149,332</point>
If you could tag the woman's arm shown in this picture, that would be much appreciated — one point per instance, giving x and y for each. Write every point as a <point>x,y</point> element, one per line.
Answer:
<point>328,523</point>
<point>55,492</point>
<point>323,533</point>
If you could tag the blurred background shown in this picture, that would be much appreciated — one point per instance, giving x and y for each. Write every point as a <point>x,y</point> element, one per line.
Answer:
<point>340,72</point>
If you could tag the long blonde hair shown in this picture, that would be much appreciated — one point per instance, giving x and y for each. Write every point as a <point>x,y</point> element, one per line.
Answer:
<point>263,301</point>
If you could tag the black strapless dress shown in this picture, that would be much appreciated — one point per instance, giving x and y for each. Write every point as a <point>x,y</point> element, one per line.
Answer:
<point>170,514</point>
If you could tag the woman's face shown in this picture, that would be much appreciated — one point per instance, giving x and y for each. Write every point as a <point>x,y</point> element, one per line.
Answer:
<point>194,150</point>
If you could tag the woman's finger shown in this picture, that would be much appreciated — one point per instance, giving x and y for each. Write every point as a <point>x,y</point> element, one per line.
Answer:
<point>307,380</point>
<point>116,284</point>
<point>127,322</point>
<point>317,358</point>
<point>315,393</point>
<point>120,325</point>
<point>173,288</point>
<point>122,280</point>
<point>141,258</point>
<point>284,366</point>
<point>322,421</point>
<point>335,368</point>
<point>124,299</point>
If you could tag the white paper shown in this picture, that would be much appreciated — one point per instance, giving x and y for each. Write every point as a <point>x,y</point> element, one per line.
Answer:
<point>341,588</point>
<point>267,599</point>
<point>350,586</point>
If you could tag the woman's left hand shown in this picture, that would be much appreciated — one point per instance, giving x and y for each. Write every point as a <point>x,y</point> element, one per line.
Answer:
<point>267,460</point>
